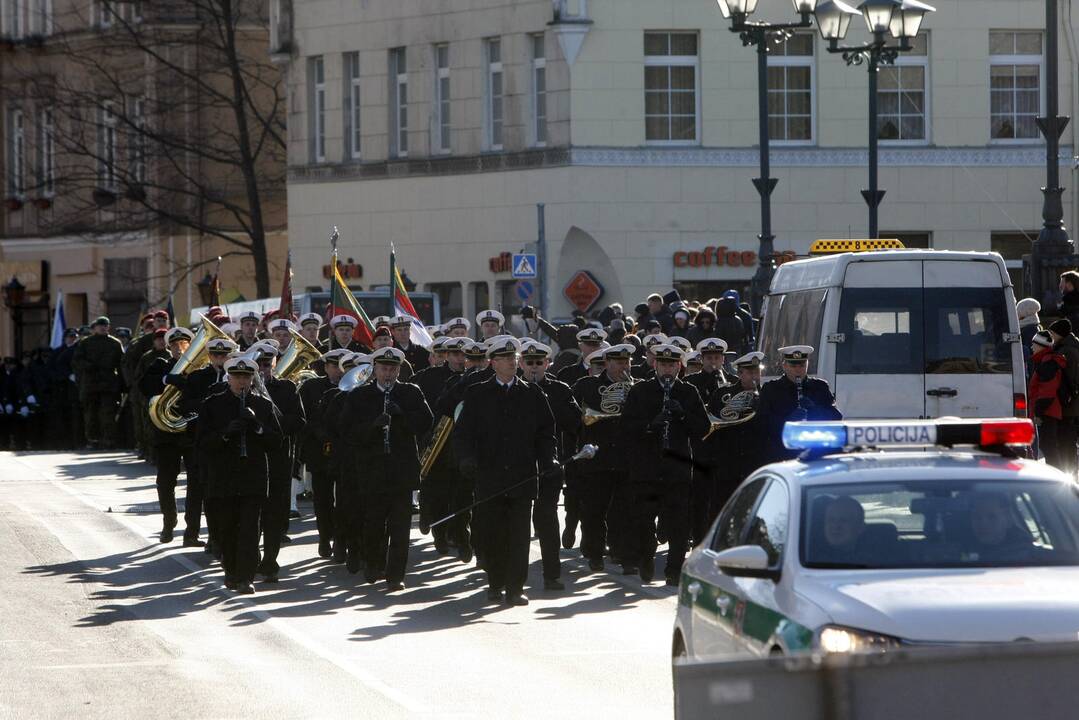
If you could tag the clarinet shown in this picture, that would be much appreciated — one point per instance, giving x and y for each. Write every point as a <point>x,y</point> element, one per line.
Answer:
<point>667,383</point>
<point>386,430</point>
<point>243,433</point>
<point>800,413</point>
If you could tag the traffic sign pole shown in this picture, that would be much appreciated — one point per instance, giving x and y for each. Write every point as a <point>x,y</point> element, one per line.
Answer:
<point>541,257</point>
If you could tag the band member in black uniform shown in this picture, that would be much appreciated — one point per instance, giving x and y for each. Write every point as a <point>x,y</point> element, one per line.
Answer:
<point>418,356</point>
<point>792,396</point>
<point>249,328</point>
<point>589,341</point>
<point>342,328</point>
<point>489,323</point>
<point>173,447</point>
<point>437,488</point>
<point>286,399</point>
<point>735,447</point>
<point>315,448</point>
<point>381,422</point>
<point>237,433</point>
<point>662,417</point>
<point>647,369</point>
<point>602,396</point>
<point>504,439</point>
<point>694,364</point>
<point>707,382</point>
<point>438,350</point>
<point>535,360</point>
<point>457,327</point>
<point>711,376</point>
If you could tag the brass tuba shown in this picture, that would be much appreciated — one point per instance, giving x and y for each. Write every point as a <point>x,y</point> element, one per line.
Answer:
<point>356,377</point>
<point>163,412</point>
<point>297,357</point>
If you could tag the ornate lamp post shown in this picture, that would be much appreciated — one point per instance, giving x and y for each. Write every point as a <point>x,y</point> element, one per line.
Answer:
<point>14,295</point>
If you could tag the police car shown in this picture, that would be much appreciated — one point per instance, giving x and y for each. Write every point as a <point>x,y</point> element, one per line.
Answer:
<point>886,534</point>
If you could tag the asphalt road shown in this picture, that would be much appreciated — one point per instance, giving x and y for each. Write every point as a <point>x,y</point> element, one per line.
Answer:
<point>97,619</point>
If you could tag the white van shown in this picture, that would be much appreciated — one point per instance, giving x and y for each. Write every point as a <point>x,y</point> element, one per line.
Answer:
<point>903,333</point>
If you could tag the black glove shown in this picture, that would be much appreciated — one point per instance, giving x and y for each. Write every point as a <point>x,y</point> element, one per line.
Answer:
<point>469,468</point>
<point>247,416</point>
<point>382,420</point>
<point>675,409</point>
<point>177,380</point>
<point>235,428</point>
<point>393,408</point>
<point>658,423</point>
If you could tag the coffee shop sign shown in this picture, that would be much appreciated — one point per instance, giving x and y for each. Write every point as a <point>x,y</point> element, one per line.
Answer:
<point>723,256</point>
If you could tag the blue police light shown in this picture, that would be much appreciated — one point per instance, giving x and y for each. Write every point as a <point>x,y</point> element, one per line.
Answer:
<point>814,436</point>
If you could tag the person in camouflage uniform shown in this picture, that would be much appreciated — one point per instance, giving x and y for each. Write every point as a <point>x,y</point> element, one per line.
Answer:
<point>97,364</point>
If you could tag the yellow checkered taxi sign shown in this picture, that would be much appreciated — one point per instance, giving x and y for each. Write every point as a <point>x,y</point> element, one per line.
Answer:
<point>828,247</point>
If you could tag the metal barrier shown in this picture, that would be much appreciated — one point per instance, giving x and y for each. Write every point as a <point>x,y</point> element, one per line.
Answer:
<point>1014,681</point>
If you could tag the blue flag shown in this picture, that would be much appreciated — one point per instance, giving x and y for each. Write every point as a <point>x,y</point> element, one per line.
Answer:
<point>58,323</point>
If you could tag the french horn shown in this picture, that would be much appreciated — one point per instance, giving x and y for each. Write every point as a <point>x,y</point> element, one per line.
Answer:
<point>163,411</point>
<point>738,408</point>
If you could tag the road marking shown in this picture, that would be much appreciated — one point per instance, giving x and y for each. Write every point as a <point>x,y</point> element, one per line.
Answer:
<point>96,666</point>
<point>345,664</point>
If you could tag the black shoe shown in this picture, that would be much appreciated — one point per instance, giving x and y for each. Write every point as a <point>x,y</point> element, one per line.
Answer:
<point>425,527</point>
<point>230,584</point>
<point>595,565</point>
<point>672,582</point>
<point>244,588</point>
<point>286,540</point>
<point>193,542</point>
<point>464,553</point>
<point>339,558</point>
<point>270,578</point>
<point>395,586</point>
<point>209,549</point>
<point>354,563</point>
<point>165,535</point>
<point>647,570</point>
<point>441,548</point>
<point>555,584</point>
<point>516,598</point>
<point>370,578</point>
<point>494,595</point>
<point>325,550</point>
<point>294,515</point>
<point>569,538</point>
<point>628,569</point>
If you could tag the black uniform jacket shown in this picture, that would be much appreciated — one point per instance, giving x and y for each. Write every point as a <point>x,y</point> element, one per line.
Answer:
<point>735,450</point>
<point>432,381</point>
<point>645,425</point>
<point>607,433</point>
<point>778,404</point>
<point>456,387</point>
<point>287,400</point>
<point>417,356</point>
<point>153,383</point>
<point>508,433</point>
<point>312,437</point>
<point>377,471</point>
<point>706,383</point>
<point>572,373</point>
<point>227,474</point>
<point>566,411</point>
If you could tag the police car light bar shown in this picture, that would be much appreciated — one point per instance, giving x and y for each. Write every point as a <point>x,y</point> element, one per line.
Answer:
<point>907,433</point>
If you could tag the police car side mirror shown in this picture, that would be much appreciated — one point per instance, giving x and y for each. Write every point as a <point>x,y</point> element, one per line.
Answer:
<point>746,561</point>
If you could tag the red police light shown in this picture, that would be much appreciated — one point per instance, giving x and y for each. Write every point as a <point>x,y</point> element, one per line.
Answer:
<point>1019,403</point>
<point>1007,432</point>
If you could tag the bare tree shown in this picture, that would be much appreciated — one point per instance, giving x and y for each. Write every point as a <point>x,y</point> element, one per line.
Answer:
<point>170,118</point>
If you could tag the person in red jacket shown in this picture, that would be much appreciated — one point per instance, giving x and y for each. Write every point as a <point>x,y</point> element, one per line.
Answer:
<point>1047,392</point>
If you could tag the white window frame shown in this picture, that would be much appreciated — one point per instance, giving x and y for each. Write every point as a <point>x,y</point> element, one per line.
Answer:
<point>12,21</point>
<point>352,106</point>
<point>16,169</point>
<point>46,152</point>
<point>442,135</point>
<point>275,19</point>
<point>136,149</point>
<point>317,108</point>
<point>809,61</point>
<point>911,60</point>
<point>693,61</point>
<point>104,15</point>
<point>106,147</point>
<point>398,109</point>
<point>1013,60</point>
<point>493,69</point>
<point>539,65</point>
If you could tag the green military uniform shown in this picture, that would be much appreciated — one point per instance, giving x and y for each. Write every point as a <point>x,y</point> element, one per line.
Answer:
<point>132,357</point>
<point>97,363</point>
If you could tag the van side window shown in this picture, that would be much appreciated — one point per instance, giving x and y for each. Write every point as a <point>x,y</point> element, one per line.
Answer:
<point>965,331</point>
<point>882,330</point>
<point>794,318</point>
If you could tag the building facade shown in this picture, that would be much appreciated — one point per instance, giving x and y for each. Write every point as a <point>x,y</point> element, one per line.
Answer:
<point>440,126</point>
<point>112,194</point>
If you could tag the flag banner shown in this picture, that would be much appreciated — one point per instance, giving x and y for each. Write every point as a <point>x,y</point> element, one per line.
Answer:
<point>58,323</point>
<point>285,309</point>
<point>402,305</point>
<point>343,302</point>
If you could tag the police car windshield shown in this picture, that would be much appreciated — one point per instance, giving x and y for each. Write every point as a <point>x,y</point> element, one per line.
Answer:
<point>940,524</point>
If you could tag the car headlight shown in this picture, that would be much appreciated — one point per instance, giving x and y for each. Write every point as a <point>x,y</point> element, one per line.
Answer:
<point>837,639</point>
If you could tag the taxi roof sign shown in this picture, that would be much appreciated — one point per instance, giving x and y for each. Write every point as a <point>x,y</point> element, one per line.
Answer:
<point>829,247</point>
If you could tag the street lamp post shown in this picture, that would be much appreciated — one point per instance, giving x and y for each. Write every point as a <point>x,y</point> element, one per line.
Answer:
<point>901,19</point>
<point>760,34</point>
<point>14,295</point>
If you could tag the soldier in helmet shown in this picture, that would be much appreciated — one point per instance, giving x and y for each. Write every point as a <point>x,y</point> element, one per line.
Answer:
<point>792,396</point>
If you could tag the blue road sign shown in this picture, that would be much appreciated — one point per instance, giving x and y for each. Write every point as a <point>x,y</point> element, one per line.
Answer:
<point>525,290</point>
<point>524,266</point>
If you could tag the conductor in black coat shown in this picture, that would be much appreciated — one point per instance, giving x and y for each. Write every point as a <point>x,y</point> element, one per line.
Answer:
<point>382,422</point>
<point>237,433</point>
<point>663,417</point>
<point>792,397</point>
<point>504,438</point>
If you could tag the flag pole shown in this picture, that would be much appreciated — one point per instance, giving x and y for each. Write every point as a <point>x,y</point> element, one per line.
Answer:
<point>393,281</point>
<point>333,282</point>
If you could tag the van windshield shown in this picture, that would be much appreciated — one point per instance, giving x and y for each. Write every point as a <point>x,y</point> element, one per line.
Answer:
<point>914,331</point>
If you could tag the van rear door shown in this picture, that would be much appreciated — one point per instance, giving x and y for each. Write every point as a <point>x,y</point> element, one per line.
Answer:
<point>968,358</point>
<point>879,358</point>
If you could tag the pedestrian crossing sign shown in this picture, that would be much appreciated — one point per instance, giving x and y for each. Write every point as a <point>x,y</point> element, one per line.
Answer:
<point>524,266</point>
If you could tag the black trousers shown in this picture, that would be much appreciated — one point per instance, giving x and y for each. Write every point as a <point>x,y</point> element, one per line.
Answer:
<point>506,538</point>
<point>387,520</point>
<point>275,510</point>
<point>545,523</point>
<point>572,495</point>
<point>323,484</point>
<point>700,504</point>
<point>596,492</point>
<point>350,513</point>
<point>669,503</point>
<point>436,499</point>
<point>237,520</point>
<point>168,470</point>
